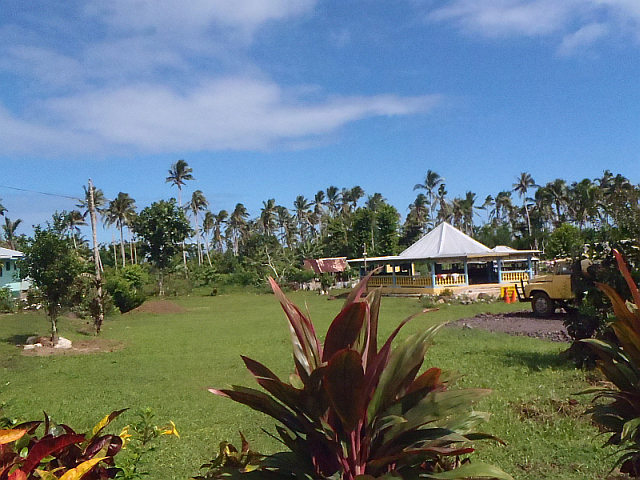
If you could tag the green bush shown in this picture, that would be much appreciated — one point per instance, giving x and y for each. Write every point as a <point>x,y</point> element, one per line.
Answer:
<point>7,301</point>
<point>125,287</point>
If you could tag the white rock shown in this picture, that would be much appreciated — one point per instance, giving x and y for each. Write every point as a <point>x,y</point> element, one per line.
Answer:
<point>29,347</point>
<point>63,343</point>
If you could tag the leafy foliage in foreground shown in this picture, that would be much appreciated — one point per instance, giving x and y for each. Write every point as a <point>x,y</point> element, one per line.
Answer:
<point>620,363</point>
<point>353,409</point>
<point>60,453</point>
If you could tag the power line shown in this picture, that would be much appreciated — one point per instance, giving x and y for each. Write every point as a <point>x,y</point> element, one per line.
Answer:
<point>41,193</point>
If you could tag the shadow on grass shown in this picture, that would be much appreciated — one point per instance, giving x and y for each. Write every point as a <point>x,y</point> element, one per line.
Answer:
<point>19,339</point>
<point>536,361</point>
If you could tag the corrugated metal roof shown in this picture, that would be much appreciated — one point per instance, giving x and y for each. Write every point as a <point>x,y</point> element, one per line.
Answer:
<point>322,265</point>
<point>444,241</point>
<point>8,253</point>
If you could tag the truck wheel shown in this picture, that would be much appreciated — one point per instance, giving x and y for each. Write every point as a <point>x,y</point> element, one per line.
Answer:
<point>542,305</point>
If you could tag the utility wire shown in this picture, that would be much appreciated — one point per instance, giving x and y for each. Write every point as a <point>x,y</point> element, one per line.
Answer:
<point>41,193</point>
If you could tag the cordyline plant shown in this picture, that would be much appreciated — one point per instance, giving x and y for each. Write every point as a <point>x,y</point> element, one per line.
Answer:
<point>60,454</point>
<point>620,363</point>
<point>353,410</point>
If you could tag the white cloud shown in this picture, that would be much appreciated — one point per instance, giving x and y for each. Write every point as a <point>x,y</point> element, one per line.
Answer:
<point>231,113</point>
<point>507,18</point>
<point>585,36</point>
<point>196,14</point>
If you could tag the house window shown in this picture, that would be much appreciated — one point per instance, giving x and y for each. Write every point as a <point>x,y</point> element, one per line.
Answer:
<point>8,266</point>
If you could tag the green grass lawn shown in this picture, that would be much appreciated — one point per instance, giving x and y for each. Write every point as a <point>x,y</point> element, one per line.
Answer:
<point>168,361</point>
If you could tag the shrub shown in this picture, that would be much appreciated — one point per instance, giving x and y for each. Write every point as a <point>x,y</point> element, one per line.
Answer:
<point>619,361</point>
<point>7,301</point>
<point>60,452</point>
<point>354,409</point>
<point>125,296</point>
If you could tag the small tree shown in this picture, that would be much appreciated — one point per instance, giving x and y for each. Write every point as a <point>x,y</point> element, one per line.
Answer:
<point>162,227</point>
<point>52,263</point>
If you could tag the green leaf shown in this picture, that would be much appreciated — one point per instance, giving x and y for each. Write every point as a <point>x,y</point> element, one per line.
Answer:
<point>630,430</point>
<point>471,470</point>
<point>404,360</point>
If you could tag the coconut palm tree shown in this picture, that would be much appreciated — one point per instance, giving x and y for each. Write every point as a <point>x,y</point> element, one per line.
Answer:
<point>318,209</point>
<point>218,221</point>
<point>375,201</point>
<point>431,181</point>
<point>419,213</point>
<point>236,226</point>
<point>73,221</point>
<point>333,199</point>
<point>522,185</point>
<point>302,211</point>
<point>121,212</point>
<point>179,173</point>
<point>99,201</point>
<point>2,209</point>
<point>197,204</point>
<point>267,216</point>
<point>9,229</point>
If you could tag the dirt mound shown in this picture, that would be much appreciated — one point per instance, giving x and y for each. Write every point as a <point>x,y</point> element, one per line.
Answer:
<point>159,307</point>
<point>519,323</point>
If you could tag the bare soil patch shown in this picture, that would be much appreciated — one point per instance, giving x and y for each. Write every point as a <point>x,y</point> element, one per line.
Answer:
<point>80,347</point>
<point>521,323</point>
<point>158,307</point>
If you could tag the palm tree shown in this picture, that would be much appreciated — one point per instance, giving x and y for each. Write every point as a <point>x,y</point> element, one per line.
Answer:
<point>487,206</point>
<point>121,212</point>
<point>267,216</point>
<point>9,229</point>
<point>179,173</point>
<point>73,221</point>
<point>99,201</point>
<point>301,207</point>
<point>333,198</point>
<point>468,209</point>
<point>2,209</point>
<point>444,211</point>
<point>522,185</point>
<point>218,221</point>
<point>431,181</point>
<point>375,201</point>
<point>197,204</point>
<point>503,206</point>
<point>287,226</point>
<point>237,225</point>
<point>355,194</point>
<point>318,209</point>
<point>419,212</point>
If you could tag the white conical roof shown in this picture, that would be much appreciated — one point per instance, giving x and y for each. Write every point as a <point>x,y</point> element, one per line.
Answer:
<point>442,242</point>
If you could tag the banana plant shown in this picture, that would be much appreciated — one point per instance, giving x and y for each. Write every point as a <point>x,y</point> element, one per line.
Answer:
<point>356,409</point>
<point>617,409</point>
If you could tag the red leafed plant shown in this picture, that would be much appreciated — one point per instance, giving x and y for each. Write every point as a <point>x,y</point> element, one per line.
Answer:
<point>353,409</point>
<point>60,453</point>
<point>620,363</point>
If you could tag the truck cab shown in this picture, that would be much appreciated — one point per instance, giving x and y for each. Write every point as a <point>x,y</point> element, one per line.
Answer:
<point>548,291</point>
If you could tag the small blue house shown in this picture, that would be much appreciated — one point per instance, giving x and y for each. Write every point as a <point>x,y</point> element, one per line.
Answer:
<point>9,273</point>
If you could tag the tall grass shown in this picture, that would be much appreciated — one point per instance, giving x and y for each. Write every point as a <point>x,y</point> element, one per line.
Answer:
<point>168,361</point>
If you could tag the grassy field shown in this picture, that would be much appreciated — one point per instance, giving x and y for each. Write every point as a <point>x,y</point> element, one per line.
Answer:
<point>167,362</point>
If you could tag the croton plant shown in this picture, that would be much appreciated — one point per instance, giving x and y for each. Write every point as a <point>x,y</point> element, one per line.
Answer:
<point>356,410</point>
<point>60,453</point>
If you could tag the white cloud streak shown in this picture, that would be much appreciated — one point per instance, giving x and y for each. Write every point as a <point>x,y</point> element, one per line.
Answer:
<point>577,22</point>
<point>231,113</point>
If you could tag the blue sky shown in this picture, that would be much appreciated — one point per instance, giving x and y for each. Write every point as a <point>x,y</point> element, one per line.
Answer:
<point>277,98</point>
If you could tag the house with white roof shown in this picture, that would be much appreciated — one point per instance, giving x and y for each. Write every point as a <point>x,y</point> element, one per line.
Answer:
<point>446,258</point>
<point>9,273</point>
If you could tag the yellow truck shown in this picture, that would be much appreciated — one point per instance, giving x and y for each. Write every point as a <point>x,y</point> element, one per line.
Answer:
<point>553,290</point>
